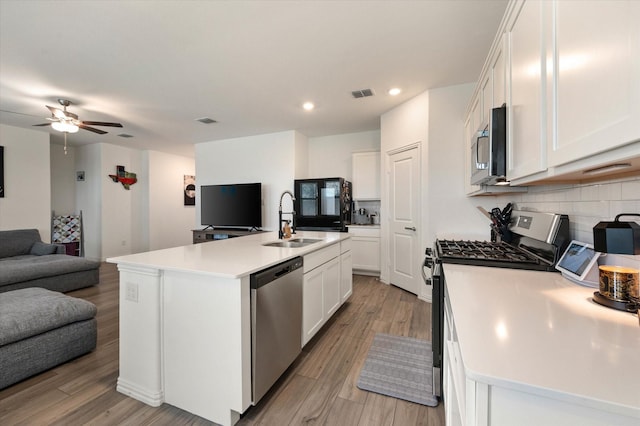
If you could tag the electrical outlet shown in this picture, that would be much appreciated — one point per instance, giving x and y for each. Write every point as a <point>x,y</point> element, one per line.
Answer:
<point>131,292</point>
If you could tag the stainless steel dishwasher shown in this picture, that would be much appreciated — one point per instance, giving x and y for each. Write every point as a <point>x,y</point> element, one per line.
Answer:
<point>276,323</point>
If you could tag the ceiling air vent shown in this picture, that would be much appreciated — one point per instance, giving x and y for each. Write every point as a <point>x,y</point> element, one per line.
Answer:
<point>206,120</point>
<point>125,135</point>
<point>362,93</point>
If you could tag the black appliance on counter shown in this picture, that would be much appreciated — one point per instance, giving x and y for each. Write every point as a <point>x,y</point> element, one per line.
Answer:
<point>322,204</point>
<point>537,243</point>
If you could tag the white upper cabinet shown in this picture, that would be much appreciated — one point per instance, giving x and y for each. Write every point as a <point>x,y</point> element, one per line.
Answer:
<point>569,74</point>
<point>366,175</point>
<point>526,146</point>
<point>596,78</point>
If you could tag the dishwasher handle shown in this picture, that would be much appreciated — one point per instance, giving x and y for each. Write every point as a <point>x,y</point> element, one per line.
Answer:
<point>275,272</point>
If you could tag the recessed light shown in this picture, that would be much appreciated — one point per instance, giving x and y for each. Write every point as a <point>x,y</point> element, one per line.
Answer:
<point>308,106</point>
<point>394,91</point>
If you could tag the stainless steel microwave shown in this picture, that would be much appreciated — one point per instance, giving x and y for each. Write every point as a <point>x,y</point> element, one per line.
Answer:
<point>489,150</point>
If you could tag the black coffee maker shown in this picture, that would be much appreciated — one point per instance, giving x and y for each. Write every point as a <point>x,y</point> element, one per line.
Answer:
<point>618,237</point>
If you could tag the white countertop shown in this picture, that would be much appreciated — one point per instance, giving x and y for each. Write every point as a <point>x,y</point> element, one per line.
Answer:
<point>364,225</point>
<point>230,258</point>
<point>540,333</point>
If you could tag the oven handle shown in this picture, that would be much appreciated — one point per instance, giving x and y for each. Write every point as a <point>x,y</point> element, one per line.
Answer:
<point>426,264</point>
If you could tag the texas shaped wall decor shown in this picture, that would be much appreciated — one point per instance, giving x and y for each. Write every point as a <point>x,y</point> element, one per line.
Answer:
<point>125,178</point>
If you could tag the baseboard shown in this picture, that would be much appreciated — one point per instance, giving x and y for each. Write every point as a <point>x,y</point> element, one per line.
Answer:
<point>154,399</point>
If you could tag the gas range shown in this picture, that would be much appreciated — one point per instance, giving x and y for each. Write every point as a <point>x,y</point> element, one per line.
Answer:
<point>535,242</point>
<point>488,253</point>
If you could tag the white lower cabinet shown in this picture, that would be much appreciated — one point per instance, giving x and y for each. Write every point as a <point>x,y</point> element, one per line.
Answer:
<point>346,275</point>
<point>365,243</point>
<point>325,286</point>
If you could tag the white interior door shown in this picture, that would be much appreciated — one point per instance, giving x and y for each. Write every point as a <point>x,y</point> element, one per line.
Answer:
<point>404,206</point>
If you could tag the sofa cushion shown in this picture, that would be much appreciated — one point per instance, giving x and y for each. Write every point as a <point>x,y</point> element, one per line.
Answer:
<point>31,311</point>
<point>29,267</point>
<point>17,242</point>
<point>40,249</point>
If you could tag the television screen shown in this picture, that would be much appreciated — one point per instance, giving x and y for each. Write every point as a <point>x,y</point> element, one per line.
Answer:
<point>237,205</point>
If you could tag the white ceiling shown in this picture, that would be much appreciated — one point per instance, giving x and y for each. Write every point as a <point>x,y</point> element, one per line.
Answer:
<point>156,66</point>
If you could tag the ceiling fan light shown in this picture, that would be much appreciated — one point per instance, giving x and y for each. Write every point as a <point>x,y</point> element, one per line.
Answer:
<point>62,126</point>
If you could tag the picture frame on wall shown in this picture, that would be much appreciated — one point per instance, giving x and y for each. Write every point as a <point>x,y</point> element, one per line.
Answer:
<point>189,190</point>
<point>1,171</point>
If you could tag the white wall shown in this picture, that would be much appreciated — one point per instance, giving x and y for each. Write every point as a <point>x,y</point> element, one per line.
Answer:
<point>269,159</point>
<point>27,179</point>
<point>301,156</point>
<point>402,126</point>
<point>150,215</point>
<point>89,198</point>
<point>122,210</point>
<point>63,179</point>
<point>170,221</point>
<point>330,156</point>
<point>446,209</point>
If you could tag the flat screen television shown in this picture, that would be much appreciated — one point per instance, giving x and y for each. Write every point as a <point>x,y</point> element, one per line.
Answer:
<point>231,206</point>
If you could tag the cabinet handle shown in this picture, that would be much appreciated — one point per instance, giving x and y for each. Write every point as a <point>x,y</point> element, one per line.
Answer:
<point>412,228</point>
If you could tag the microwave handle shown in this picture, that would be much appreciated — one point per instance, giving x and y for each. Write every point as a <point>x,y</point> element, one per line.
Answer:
<point>481,134</point>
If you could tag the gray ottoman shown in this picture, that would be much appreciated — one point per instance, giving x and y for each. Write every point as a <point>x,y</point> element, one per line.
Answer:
<point>40,329</point>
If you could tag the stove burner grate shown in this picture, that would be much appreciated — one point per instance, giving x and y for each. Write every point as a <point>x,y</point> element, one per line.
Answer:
<point>483,250</point>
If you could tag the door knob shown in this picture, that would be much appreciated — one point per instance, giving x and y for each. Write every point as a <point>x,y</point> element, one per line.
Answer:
<point>412,228</point>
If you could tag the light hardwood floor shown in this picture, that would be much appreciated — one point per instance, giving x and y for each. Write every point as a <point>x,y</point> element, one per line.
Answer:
<point>319,388</point>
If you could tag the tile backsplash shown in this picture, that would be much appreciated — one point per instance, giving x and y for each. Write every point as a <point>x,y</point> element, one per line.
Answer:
<point>586,205</point>
<point>371,206</point>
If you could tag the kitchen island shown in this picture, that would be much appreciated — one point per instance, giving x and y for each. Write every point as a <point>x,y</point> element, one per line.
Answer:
<point>185,318</point>
<point>532,348</point>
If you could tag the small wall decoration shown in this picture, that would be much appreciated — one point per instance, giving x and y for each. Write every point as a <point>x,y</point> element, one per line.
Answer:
<point>189,190</point>
<point>1,171</point>
<point>125,178</point>
<point>80,176</point>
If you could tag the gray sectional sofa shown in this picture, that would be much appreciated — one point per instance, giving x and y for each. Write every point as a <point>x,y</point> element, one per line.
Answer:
<point>25,261</point>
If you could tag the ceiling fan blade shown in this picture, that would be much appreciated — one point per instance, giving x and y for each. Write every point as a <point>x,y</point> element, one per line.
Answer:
<point>91,129</point>
<point>101,123</point>
<point>60,114</point>
<point>43,124</point>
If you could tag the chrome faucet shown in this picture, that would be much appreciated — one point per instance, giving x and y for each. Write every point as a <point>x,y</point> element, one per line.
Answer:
<point>292,213</point>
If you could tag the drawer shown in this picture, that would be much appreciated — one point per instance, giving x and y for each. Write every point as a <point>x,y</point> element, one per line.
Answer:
<point>319,257</point>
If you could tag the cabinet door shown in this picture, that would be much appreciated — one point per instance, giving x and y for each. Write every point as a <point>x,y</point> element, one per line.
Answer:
<point>498,76</point>
<point>526,149</point>
<point>487,96</point>
<point>597,82</point>
<point>476,113</point>
<point>331,287</point>
<point>366,253</point>
<point>312,309</point>
<point>346,276</point>
<point>366,175</point>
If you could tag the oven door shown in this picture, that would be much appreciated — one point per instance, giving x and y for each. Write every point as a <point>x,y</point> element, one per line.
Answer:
<point>436,280</point>
<point>437,325</point>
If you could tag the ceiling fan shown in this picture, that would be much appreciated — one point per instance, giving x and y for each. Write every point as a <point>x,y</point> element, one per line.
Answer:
<point>68,122</point>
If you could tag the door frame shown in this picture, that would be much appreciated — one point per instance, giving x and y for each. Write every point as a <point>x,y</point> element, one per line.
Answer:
<point>385,275</point>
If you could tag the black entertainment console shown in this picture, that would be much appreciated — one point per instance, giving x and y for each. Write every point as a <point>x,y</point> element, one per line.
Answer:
<point>204,235</point>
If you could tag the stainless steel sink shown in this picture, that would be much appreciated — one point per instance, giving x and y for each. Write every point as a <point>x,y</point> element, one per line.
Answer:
<point>293,243</point>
